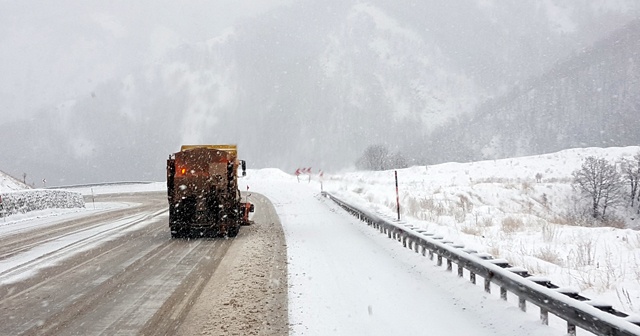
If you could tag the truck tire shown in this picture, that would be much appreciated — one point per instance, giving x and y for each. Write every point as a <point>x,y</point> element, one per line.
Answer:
<point>178,233</point>
<point>233,231</point>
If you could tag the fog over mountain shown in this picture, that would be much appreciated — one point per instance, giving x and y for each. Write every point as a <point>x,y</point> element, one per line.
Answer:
<point>106,91</point>
<point>590,100</point>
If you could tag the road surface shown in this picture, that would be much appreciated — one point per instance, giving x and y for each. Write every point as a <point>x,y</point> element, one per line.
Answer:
<point>119,272</point>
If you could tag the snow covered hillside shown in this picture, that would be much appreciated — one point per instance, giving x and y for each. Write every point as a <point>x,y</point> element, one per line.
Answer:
<point>8,183</point>
<point>500,207</point>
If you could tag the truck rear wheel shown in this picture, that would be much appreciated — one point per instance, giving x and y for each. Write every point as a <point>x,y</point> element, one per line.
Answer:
<point>233,231</point>
<point>177,233</point>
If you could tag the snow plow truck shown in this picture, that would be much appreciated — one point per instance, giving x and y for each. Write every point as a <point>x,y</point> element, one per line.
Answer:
<point>202,187</point>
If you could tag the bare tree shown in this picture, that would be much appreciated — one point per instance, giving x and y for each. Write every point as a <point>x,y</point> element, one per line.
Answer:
<point>378,157</point>
<point>631,174</point>
<point>397,160</point>
<point>374,158</point>
<point>599,180</point>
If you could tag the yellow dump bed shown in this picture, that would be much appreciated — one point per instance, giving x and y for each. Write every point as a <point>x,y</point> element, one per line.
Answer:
<point>231,149</point>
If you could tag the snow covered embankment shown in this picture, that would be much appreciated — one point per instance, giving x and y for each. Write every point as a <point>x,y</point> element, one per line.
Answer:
<point>30,200</point>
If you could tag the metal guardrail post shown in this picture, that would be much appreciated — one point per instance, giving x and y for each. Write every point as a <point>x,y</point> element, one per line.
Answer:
<point>522,303</point>
<point>571,329</point>
<point>487,285</point>
<point>503,293</point>
<point>544,316</point>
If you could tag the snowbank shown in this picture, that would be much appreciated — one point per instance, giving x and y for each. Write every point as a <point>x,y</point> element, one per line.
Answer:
<point>39,199</point>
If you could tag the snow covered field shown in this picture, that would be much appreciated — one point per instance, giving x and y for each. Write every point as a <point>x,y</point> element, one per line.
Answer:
<point>497,207</point>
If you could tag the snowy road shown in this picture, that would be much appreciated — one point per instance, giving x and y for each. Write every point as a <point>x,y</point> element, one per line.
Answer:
<point>116,270</point>
<point>102,274</point>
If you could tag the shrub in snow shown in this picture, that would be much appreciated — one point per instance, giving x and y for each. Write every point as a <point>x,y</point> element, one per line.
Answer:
<point>550,255</point>
<point>31,200</point>
<point>512,224</point>
<point>473,230</point>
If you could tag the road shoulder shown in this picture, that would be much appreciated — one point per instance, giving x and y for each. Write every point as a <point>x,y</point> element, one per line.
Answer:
<point>247,294</point>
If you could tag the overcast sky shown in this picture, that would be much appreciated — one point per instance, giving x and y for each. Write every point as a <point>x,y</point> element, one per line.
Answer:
<point>77,44</point>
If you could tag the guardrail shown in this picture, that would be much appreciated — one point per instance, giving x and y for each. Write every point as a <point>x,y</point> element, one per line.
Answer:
<point>569,305</point>
<point>88,185</point>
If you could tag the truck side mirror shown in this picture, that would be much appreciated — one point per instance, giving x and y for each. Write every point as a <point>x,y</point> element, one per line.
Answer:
<point>244,167</point>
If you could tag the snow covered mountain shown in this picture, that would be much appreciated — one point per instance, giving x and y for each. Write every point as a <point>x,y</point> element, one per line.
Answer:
<point>589,100</point>
<point>311,83</point>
